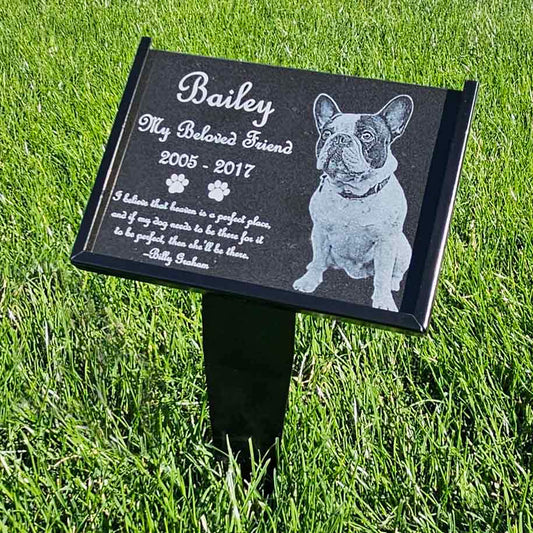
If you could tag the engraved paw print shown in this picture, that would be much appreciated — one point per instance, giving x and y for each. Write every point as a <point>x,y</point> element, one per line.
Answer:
<point>177,183</point>
<point>218,190</point>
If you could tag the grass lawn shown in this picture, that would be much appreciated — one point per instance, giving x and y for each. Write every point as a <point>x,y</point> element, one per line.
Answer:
<point>103,411</point>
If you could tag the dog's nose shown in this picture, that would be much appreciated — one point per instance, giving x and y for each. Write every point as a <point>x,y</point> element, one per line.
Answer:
<point>342,139</point>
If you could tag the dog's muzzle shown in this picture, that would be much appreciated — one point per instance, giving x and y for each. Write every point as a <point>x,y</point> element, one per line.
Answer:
<point>342,139</point>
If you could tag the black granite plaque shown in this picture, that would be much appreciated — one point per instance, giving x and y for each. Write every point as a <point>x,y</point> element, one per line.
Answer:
<point>319,192</point>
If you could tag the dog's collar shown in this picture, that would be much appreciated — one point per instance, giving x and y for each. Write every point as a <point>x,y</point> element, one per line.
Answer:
<point>350,196</point>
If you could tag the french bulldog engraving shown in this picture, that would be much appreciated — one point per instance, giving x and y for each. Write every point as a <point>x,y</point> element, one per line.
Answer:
<point>359,207</point>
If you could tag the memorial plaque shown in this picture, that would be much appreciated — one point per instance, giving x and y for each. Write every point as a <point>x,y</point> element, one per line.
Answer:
<point>320,193</point>
<point>275,190</point>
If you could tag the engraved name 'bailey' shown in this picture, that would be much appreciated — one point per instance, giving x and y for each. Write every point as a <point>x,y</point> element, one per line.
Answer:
<point>193,88</point>
<point>359,207</point>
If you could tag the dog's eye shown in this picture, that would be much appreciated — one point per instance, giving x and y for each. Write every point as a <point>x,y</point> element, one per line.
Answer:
<point>326,134</point>
<point>367,136</point>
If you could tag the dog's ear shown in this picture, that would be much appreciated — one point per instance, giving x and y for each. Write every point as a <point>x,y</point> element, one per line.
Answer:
<point>325,108</point>
<point>397,114</point>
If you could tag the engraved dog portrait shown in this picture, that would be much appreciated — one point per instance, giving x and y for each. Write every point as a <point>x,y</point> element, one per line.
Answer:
<point>359,208</point>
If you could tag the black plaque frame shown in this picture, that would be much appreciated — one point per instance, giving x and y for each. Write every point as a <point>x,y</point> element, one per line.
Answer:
<point>434,224</point>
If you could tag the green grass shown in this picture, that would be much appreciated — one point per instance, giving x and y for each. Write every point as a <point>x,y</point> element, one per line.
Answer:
<point>103,411</point>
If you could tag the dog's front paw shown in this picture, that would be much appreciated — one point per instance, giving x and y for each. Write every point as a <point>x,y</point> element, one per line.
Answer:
<point>384,302</point>
<point>308,282</point>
